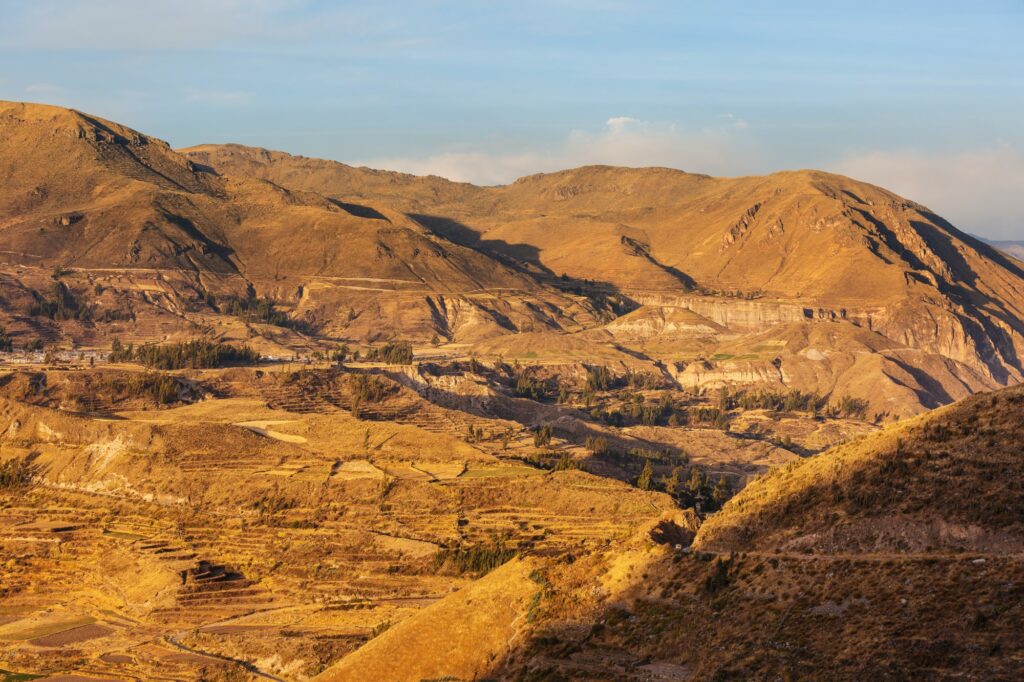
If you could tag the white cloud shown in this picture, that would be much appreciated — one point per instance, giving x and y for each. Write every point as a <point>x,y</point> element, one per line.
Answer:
<point>618,124</point>
<point>623,141</point>
<point>976,190</point>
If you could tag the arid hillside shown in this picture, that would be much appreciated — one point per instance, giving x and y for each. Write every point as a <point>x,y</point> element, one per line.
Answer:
<point>96,207</point>
<point>897,556</point>
<point>949,480</point>
<point>803,278</point>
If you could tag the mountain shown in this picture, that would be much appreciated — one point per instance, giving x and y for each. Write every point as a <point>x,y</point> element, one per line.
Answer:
<point>802,279</point>
<point>796,280</point>
<point>98,207</point>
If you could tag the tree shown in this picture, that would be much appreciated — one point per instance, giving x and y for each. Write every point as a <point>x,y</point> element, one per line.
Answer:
<point>696,482</point>
<point>644,482</point>
<point>722,491</point>
<point>673,484</point>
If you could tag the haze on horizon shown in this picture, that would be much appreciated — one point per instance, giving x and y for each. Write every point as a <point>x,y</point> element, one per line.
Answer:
<point>925,98</point>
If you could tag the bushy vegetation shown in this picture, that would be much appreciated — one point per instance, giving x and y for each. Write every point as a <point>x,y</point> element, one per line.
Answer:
<point>720,576</point>
<point>18,472</point>
<point>198,354</point>
<point>477,559</point>
<point>6,343</point>
<point>252,308</point>
<point>392,353</point>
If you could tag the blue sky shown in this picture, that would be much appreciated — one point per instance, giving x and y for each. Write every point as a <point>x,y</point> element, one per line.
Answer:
<point>924,97</point>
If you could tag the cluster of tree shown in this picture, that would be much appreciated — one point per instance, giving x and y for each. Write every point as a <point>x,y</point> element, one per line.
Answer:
<point>61,305</point>
<point>339,355</point>
<point>697,490</point>
<point>598,445</point>
<point>643,380</point>
<point>598,379</point>
<point>368,387</point>
<point>163,389</point>
<point>787,401</point>
<point>252,308</point>
<point>6,342</point>
<point>850,407</point>
<point>18,472</point>
<point>529,385</point>
<point>392,353</point>
<point>197,354</point>
<point>714,416</point>
<point>553,460</point>
<point>542,436</point>
<point>477,559</point>
<point>635,410</point>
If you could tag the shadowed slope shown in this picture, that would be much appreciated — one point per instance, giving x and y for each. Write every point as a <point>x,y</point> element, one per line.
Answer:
<point>949,479</point>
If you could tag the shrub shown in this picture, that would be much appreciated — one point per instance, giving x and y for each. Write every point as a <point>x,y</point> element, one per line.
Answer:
<point>565,463</point>
<point>719,578</point>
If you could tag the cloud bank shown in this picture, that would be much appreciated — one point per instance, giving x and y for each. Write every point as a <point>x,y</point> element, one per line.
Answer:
<point>977,190</point>
<point>622,141</point>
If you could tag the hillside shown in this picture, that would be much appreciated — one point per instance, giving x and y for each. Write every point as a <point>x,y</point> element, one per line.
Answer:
<point>802,279</point>
<point>949,480</point>
<point>897,556</point>
<point>108,208</point>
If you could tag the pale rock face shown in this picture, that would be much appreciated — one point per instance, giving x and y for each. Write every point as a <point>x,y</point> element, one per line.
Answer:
<point>706,375</point>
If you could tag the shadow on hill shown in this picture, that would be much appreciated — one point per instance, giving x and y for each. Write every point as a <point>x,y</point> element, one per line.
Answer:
<point>360,211</point>
<point>525,258</point>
